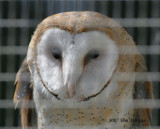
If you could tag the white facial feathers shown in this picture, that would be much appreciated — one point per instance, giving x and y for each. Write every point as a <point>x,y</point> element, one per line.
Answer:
<point>76,66</point>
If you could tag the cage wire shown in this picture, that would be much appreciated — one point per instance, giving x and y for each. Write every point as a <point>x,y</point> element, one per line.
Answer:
<point>19,18</point>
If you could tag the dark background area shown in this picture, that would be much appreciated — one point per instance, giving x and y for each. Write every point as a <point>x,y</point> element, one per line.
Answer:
<point>19,18</point>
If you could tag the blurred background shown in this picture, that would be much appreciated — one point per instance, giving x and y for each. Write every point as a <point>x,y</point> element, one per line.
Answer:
<point>19,18</point>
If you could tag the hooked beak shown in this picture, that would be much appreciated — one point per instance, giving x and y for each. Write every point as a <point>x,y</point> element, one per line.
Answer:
<point>71,91</point>
<point>72,71</point>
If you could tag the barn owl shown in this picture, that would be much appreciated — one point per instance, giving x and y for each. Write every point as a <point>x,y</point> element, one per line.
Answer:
<point>71,70</point>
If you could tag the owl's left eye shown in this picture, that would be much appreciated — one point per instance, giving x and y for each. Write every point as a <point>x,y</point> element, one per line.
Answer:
<point>91,55</point>
<point>56,53</point>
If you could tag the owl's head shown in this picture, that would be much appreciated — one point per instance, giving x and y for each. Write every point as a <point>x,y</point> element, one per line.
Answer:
<point>74,55</point>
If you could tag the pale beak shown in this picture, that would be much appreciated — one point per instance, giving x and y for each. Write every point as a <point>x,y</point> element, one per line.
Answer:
<point>71,91</point>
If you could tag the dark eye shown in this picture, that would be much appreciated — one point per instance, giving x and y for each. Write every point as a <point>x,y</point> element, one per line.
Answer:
<point>56,56</point>
<point>91,55</point>
<point>56,53</point>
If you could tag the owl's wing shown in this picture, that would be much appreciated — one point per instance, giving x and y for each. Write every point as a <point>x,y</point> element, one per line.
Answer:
<point>142,90</point>
<point>23,93</point>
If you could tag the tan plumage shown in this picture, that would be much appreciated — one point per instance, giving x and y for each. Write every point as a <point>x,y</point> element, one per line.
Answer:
<point>23,92</point>
<point>76,23</point>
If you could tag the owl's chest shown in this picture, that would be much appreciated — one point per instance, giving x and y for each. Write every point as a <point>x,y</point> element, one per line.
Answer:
<point>102,112</point>
<point>75,117</point>
<point>94,117</point>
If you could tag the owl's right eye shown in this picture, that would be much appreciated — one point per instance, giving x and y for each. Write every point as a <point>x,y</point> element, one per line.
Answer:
<point>57,56</point>
<point>56,53</point>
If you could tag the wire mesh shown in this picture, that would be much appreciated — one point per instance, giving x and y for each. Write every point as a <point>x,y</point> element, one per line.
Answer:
<point>19,18</point>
